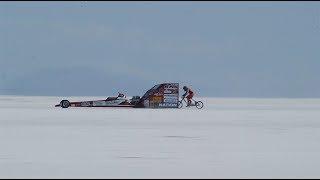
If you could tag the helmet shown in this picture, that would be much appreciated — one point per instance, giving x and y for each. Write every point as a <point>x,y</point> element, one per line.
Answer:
<point>185,88</point>
<point>120,94</point>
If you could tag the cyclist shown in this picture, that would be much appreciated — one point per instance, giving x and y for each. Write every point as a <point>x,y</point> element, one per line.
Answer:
<point>188,94</point>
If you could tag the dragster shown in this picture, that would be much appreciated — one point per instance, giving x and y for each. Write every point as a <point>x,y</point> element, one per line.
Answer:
<point>165,95</point>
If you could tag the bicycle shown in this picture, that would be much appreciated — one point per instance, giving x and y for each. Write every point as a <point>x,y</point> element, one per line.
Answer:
<point>198,104</point>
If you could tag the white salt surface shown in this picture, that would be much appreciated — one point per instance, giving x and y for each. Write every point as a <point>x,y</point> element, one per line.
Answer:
<point>228,138</point>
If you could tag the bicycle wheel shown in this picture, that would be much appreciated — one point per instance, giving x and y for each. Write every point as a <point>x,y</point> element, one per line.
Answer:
<point>180,104</point>
<point>199,104</point>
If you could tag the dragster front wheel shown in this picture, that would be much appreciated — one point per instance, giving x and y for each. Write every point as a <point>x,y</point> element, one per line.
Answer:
<point>64,103</point>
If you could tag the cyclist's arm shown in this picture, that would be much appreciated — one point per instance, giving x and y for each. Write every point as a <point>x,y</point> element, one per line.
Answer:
<point>185,93</point>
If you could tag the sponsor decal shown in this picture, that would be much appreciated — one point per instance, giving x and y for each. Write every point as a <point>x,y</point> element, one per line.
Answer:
<point>146,103</point>
<point>171,86</point>
<point>173,99</point>
<point>171,91</point>
<point>170,95</point>
<point>114,102</point>
<point>153,104</point>
<point>170,100</point>
<point>157,99</point>
<point>168,104</point>
<point>76,105</point>
<point>99,103</point>
<point>86,103</point>
<point>158,94</point>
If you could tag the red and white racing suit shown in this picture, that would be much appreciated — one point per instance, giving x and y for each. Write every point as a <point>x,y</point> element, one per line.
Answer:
<point>189,96</point>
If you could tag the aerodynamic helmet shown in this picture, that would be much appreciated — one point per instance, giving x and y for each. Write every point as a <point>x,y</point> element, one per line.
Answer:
<point>185,88</point>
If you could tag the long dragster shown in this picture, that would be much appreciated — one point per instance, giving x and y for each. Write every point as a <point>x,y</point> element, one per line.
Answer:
<point>109,102</point>
<point>165,95</point>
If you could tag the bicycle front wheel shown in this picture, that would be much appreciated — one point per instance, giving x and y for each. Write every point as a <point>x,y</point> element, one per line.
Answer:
<point>199,104</point>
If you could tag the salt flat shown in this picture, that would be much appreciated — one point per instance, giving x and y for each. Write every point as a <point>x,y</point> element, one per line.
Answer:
<point>228,138</point>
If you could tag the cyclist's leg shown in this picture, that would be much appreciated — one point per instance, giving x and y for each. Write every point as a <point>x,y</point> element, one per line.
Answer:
<point>189,97</point>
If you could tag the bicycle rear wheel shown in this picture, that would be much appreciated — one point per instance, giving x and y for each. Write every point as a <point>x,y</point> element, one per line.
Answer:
<point>180,104</point>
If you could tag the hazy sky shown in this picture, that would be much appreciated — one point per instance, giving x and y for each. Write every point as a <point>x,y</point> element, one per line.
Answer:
<point>221,49</point>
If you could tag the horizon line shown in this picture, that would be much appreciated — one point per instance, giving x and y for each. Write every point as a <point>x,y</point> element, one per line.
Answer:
<point>226,97</point>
